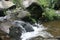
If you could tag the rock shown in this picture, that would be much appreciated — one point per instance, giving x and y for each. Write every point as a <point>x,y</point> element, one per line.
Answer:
<point>3,35</point>
<point>2,13</point>
<point>25,26</point>
<point>37,38</point>
<point>27,3</point>
<point>33,7</point>
<point>6,4</point>
<point>35,10</point>
<point>15,33</point>
<point>0,39</point>
<point>4,26</point>
<point>23,14</point>
<point>17,13</point>
<point>28,27</point>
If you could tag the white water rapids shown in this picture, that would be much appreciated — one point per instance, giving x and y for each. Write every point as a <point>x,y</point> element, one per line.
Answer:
<point>28,30</point>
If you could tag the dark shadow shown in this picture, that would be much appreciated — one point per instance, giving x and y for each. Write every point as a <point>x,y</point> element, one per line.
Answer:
<point>35,10</point>
<point>57,5</point>
<point>0,38</point>
<point>2,13</point>
<point>12,7</point>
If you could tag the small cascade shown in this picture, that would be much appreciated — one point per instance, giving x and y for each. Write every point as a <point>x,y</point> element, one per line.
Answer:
<point>28,30</point>
<point>39,30</point>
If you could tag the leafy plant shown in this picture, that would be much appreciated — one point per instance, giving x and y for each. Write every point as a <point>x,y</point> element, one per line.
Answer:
<point>44,3</point>
<point>49,14</point>
<point>47,3</point>
<point>17,2</point>
<point>48,6</point>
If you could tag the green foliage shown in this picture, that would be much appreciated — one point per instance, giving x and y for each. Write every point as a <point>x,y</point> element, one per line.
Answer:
<point>47,3</point>
<point>17,2</point>
<point>32,19</point>
<point>49,14</point>
<point>48,6</point>
<point>44,3</point>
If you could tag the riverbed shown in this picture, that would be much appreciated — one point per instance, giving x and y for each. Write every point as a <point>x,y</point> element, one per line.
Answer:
<point>53,27</point>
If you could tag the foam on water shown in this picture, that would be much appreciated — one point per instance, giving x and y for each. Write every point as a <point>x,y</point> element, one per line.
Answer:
<point>35,30</point>
<point>38,31</point>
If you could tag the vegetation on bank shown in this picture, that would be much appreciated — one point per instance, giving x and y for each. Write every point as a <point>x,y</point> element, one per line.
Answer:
<point>49,9</point>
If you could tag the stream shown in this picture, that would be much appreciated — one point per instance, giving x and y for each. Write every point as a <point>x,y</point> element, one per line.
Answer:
<point>23,30</point>
<point>53,27</point>
<point>14,28</point>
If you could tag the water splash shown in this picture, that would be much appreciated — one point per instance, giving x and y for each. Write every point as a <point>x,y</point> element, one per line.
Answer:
<point>30,30</point>
<point>19,24</point>
<point>39,30</point>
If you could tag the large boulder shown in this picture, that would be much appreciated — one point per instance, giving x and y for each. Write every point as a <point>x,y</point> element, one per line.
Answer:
<point>6,4</point>
<point>15,33</point>
<point>27,3</point>
<point>17,13</point>
<point>35,10</point>
<point>33,7</point>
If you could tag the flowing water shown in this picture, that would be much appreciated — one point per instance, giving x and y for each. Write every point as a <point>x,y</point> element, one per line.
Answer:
<point>32,30</point>
<point>28,30</point>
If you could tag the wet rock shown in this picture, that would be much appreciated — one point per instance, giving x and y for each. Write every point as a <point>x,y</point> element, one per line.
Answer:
<point>37,38</point>
<point>28,27</point>
<point>15,33</point>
